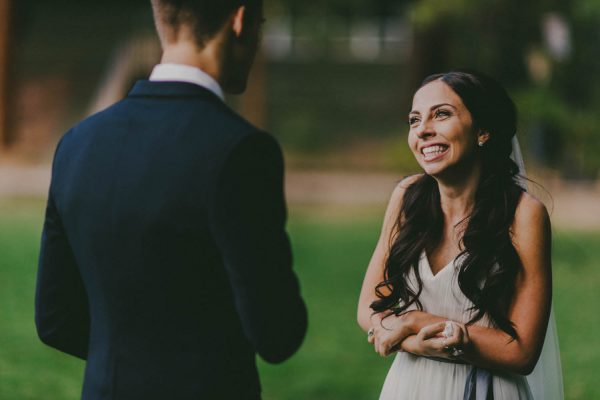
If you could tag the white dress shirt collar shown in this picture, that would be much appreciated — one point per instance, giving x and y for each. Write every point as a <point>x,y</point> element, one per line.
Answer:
<point>186,73</point>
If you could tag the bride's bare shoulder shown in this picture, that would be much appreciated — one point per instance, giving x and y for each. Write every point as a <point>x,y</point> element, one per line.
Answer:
<point>404,184</point>
<point>409,180</point>
<point>530,210</point>
<point>531,226</point>
<point>395,202</point>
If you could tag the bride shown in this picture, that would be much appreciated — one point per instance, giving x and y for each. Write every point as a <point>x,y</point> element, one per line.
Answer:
<point>459,285</point>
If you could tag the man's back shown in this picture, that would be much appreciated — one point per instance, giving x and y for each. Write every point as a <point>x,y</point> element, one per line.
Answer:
<point>166,221</point>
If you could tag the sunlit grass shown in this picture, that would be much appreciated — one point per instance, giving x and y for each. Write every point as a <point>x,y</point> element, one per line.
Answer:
<point>331,252</point>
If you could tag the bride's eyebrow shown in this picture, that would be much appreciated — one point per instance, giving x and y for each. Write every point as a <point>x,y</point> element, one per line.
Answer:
<point>442,104</point>
<point>415,112</point>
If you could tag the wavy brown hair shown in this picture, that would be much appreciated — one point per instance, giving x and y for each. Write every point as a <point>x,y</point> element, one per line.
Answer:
<point>489,263</point>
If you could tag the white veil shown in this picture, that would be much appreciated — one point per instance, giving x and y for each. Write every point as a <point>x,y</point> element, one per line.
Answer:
<point>546,379</point>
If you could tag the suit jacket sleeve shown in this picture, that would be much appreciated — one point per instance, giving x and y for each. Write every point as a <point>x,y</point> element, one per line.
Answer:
<point>248,222</point>
<point>61,304</point>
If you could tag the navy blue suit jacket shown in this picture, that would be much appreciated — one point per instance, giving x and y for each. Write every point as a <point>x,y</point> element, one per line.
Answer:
<point>164,260</point>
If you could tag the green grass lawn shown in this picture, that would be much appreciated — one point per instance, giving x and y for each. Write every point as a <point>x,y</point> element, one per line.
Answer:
<point>335,362</point>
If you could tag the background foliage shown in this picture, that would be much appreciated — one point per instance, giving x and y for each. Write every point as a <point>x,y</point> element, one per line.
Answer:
<point>547,53</point>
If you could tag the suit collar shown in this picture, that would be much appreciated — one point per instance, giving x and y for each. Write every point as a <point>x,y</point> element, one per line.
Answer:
<point>186,73</point>
<point>146,88</point>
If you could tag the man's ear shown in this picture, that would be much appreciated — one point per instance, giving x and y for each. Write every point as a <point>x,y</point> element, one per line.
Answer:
<point>238,21</point>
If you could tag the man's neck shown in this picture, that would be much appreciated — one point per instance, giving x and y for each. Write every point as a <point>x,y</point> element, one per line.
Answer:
<point>186,53</point>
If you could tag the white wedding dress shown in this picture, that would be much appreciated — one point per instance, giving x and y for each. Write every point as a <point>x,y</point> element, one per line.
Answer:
<point>417,378</point>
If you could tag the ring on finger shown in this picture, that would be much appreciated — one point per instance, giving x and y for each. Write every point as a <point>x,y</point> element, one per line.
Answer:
<point>457,352</point>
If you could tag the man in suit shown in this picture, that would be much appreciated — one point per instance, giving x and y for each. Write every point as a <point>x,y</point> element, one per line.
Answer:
<point>165,263</point>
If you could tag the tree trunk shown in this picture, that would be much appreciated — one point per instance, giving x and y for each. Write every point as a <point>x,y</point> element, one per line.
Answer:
<point>5,137</point>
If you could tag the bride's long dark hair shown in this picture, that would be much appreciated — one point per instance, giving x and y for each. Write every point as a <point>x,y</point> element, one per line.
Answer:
<point>488,262</point>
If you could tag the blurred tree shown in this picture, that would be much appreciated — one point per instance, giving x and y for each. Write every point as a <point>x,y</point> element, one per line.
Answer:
<point>5,45</point>
<point>558,90</point>
<point>491,36</point>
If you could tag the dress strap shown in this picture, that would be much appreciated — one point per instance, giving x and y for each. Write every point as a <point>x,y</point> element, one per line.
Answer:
<point>479,385</point>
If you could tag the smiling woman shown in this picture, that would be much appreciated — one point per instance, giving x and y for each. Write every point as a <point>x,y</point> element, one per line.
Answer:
<point>460,282</point>
<point>442,135</point>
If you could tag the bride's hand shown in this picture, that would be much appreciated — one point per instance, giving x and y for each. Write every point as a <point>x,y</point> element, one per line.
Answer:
<point>388,331</point>
<point>430,341</point>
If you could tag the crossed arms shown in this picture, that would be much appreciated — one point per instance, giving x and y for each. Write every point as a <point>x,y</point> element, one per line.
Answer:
<point>419,332</point>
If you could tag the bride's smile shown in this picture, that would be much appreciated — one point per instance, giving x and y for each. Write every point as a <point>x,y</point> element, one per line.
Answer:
<point>433,152</point>
<point>441,133</point>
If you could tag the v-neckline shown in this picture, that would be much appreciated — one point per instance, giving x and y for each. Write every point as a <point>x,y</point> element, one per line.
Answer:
<point>428,265</point>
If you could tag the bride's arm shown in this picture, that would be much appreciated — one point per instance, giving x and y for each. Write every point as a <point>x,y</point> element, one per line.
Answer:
<point>374,274</point>
<point>493,348</point>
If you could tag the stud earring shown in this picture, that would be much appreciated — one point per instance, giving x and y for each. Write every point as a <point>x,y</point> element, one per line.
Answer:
<point>481,144</point>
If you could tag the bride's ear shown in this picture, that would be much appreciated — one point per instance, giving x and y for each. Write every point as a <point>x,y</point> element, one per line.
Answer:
<point>482,137</point>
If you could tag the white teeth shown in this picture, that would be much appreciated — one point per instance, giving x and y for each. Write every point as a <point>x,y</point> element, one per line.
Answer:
<point>431,150</point>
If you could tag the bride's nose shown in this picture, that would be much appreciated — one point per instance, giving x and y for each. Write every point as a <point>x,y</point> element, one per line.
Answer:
<point>425,131</point>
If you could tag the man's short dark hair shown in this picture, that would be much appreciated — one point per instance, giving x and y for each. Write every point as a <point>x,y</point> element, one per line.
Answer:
<point>205,17</point>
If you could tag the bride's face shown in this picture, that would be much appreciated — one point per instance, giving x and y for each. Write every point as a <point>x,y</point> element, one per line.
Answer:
<point>441,134</point>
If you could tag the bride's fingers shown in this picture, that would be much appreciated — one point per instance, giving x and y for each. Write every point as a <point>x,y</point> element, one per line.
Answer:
<point>394,349</point>
<point>391,348</point>
<point>454,340</point>
<point>371,336</point>
<point>384,351</point>
<point>466,340</point>
<point>384,348</point>
<point>379,347</point>
<point>432,330</point>
<point>434,346</point>
<point>457,333</point>
<point>457,342</point>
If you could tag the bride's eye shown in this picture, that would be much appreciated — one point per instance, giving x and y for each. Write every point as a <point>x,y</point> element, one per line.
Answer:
<point>412,120</point>
<point>442,113</point>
